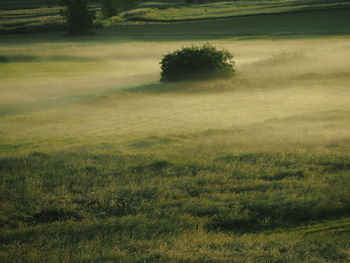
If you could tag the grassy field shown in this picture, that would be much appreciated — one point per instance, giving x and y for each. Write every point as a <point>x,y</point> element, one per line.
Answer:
<point>168,12</point>
<point>22,16</point>
<point>100,162</point>
<point>30,16</point>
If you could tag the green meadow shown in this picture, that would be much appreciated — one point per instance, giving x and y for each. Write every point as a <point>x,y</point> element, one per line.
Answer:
<point>175,11</point>
<point>101,162</point>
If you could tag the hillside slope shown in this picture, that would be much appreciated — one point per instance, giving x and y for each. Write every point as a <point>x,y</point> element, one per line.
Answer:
<point>21,16</point>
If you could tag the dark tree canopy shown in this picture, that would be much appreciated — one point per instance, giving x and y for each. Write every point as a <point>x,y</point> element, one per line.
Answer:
<point>113,7</point>
<point>79,18</point>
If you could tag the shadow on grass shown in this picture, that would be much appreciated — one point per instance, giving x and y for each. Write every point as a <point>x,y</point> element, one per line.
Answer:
<point>138,226</point>
<point>27,58</point>
<point>210,84</point>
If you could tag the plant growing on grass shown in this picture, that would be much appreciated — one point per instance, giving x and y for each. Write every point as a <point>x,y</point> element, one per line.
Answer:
<point>196,62</point>
<point>190,2</point>
<point>113,7</point>
<point>79,17</point>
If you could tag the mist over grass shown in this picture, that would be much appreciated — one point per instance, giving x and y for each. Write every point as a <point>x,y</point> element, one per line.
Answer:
<point>92,89</point>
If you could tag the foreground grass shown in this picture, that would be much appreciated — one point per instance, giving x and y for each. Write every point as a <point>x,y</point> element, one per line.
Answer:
<point>138,208</point>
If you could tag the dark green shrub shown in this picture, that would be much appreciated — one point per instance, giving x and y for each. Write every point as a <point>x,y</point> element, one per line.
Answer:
<point>190,2</point>
<point>108,9</point>
<point>196,62</point>
<point>79,17</point>
<point>113,7</point>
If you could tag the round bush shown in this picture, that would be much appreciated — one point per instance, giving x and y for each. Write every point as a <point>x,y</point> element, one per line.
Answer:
<point>196,62</point>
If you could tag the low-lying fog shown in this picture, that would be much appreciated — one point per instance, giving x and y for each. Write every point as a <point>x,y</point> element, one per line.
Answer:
<point>58,90</point>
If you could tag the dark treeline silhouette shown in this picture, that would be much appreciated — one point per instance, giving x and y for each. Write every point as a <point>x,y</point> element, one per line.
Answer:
<point>79,17</point>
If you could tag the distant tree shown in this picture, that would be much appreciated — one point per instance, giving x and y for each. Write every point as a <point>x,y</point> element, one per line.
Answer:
<point>190,2</point>
<point>113,7</point>
<point>79,17</point>
<point>108,9</point>
<point>50,3</point>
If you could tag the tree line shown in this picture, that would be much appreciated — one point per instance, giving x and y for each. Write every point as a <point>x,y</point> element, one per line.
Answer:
<point>80,18</point>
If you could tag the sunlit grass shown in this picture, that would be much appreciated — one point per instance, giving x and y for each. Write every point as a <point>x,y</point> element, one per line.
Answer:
<point>153,12</point>
<point>30,19</point>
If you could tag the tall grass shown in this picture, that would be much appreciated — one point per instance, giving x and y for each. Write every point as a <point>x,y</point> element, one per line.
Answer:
<point>138,209</point>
